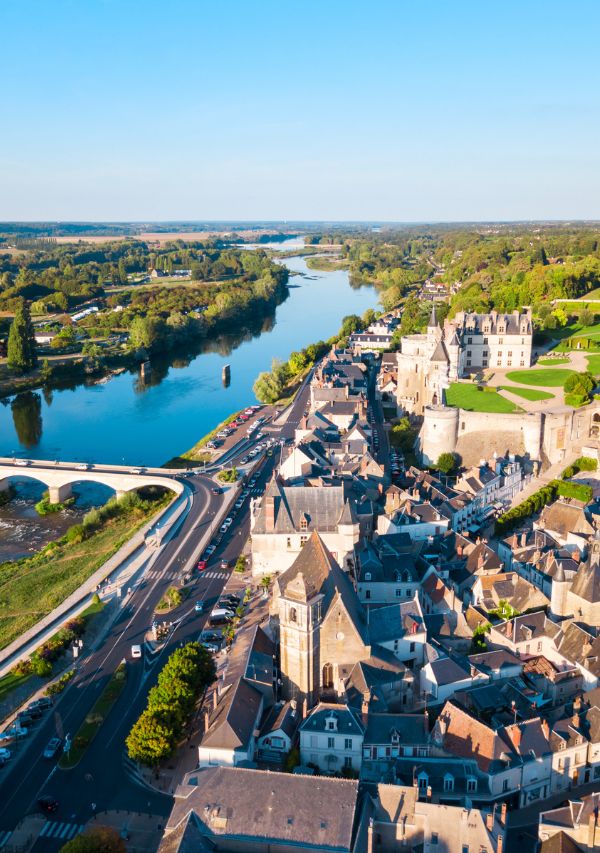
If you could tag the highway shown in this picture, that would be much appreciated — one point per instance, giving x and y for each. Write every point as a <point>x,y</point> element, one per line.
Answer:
<point>105,778</point>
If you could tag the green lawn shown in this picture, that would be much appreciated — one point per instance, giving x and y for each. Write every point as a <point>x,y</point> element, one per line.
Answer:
<point>32,587</point>
<point>552,362</point>
<point>466,396</point>
<point>594,364</point>
<point>547,377</point>
<point>10,682</point>
<point>528,393</point>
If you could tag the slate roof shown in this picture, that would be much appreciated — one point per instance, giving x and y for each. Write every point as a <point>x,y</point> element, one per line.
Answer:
<point>347,720</point>
<point>440,354</point>
<point>248,806</point>
<point>560,842</point>
<point>393,621</point>
<point>466,737</point>
<point>586,584</point>
<point>233,721</point>
<point>565,518</point>
<point>447,671</point>
<point>410,728</point>
<point>321,507</point>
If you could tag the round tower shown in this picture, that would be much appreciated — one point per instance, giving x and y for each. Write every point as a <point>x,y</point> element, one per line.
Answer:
<point>439,432</point>
<point>558,595</point>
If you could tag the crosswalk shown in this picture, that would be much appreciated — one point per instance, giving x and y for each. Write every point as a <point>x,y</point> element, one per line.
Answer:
<point>214,575</point>
<point>4,837</point>
<point>56,829</point>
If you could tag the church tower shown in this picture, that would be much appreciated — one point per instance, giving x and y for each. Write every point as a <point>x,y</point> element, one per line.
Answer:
<point>299,623</point>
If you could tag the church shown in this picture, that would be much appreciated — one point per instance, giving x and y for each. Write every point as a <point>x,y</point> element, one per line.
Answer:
<point>468,343</point>
<point>328,648</point>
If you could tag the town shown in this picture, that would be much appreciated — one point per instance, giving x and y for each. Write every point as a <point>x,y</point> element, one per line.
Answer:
<point>405,652</point>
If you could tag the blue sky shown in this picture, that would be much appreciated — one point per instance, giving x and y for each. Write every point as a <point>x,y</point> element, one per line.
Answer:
<point>253,109</point>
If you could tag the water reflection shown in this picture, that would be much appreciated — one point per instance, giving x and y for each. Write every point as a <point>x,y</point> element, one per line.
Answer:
<point>27,418</point>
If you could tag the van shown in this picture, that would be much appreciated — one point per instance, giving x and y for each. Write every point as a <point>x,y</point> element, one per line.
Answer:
<point>220,615</point>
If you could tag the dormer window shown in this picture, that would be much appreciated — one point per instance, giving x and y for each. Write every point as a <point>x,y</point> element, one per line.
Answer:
<point>304,523</point>
<point>448,782</point>
<point>331,723</point>
<point>367,576</point>
<point>471,784</point>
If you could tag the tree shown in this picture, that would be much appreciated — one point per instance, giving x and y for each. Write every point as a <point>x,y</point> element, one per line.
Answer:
<point>446,463</point>
<point>97,839</point>
<point>22,355</point>
<point>587,317</point>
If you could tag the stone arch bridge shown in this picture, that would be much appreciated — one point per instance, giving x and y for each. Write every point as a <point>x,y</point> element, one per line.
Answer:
<point>59,477</point>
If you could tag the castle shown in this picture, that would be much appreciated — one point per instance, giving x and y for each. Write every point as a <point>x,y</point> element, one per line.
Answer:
<point>428,362</point>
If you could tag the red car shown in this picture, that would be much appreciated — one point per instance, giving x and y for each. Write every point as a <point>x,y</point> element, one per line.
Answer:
<point>202,565</point>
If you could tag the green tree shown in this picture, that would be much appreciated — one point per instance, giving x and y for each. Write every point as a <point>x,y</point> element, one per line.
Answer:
<point>22,355</point>
<point>587,317</point>
<point>97,839</point>
<point>446,463</point>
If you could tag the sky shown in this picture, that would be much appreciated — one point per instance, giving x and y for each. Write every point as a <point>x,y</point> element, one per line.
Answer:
<point>387,110</point>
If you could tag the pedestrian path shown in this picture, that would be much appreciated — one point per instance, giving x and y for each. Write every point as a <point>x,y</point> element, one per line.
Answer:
<point>4,837</point>
<point>56,829</point>
<point>214,575</point>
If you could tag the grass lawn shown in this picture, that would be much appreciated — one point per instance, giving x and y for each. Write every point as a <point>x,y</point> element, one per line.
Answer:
<point>594,364</point>
<point>10,682</point>
<point>552,362</point>
<point>528,393</point>
<point>547,377</point>
<point>469,397</point>
<point>32,587</point>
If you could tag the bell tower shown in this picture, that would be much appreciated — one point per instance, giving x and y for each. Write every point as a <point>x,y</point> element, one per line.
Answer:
<point>299,636</point>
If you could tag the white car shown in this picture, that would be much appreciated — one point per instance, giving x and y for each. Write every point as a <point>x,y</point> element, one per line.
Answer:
<point>22,462</point>
<point>136,651</point>
<point>83,466</point>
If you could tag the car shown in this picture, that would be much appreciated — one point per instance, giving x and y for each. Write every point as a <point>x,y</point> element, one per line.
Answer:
<point>52,747</point>
<point>239,504</point>
<point>216,490</point>
<point>245,459</point>
<point>231,598</point>
<point>245,494</point>
<point>25,719</point>
<point>224,528</point>
<point>33,711</point>
<point>269,452</point>
<point>210,550</point>
<point>199,606</point>
<point>47,803</point>
<point>136,651</point>
<point>5,754</point>
<point>17,731</point>
<point>136,471</point>
<point>228,521</point>
<point>44,703</point>
<point>210,647</point>
<point>224,563</point>
<point>252,482</point>
<point>22,462</point>
<point>83,466</point>
<point>211,636</point>
<point>220,616</point>
<point>202,564</point>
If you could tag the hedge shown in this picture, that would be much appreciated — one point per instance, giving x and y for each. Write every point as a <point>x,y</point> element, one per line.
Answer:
<point>538,500</point>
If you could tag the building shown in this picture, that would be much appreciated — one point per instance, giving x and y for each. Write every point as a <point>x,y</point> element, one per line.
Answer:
<point>331,738</point>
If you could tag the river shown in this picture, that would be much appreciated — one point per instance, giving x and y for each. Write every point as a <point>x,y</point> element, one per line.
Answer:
<point>125,421</point>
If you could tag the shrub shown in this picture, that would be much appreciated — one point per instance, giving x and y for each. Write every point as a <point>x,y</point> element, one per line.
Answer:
<point>75,534</point>
<point>577,491</point>
<point>40,666</point>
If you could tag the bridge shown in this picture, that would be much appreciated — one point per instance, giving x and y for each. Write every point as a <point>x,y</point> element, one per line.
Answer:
<point>59,477</point>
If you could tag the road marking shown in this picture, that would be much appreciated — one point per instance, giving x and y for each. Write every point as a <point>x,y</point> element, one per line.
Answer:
<point>4,836</point>
<point>55,829</point>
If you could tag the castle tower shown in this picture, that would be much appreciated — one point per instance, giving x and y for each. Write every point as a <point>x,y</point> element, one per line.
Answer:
<point>453,349</point>
<point>433,327</point>
<point>558,597</point>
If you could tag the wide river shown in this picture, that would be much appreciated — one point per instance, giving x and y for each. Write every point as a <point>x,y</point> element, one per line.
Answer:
<point>127,421</point>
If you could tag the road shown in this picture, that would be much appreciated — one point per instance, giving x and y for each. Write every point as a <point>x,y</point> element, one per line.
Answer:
<point>105,778</point>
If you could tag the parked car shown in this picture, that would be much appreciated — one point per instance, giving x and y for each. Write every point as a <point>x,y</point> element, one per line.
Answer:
<point>199,606</point>
<point>44,703</point>
<point>239,504</point>
<point>83,466</point>
<point>224,528</point>
<point>224,563</point>
<point>211,636</point>
<point>210,550</point>
<point>136,651</point>
<point>220,616</point>
<point>5,754</point>
<point>202,565</point>
<point>25,719</point>
<point>52,747</point>
<point>210,647</point>
<point>216,490</point>
<point>22,462</point>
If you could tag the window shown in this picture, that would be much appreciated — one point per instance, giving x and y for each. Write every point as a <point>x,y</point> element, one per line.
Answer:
<point>434,838</point>
<point>448,782</point>
<point>348,762</point>
<point>505,786</point>
<point>412,647</point>
<point>303,541</point>
<point>522,363</point>
<point>328,675</point>
<point>423,781</point>
<point>465,848</point>
<point>500,340</point>
<point>468,362</point>
<point>510,353</point>
<point>348,743</point>
<point>468,353</point>
<point>367,576</point>
<point>509,363</point>
<point>469,340</point>
<point>367,593</point>
<point>330,743</point>
<point>289,542</point>
<point>471,785</point>
<point>485,340</point>
<point>398,593</point>
<point>485,362</point>
<point>539,646</point>
<point>303,523</point>
<point>293,615</point>
<point>484,353</point>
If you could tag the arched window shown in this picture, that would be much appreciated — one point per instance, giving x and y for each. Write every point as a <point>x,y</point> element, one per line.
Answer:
<point>293,615</point>
<point>328,675</point>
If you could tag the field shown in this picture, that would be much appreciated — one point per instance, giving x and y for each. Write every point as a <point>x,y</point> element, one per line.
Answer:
<point>553,362</point>
<point>469,397</point>
<point>594,364</point>
<point>31,588</point>
<point>547,377</point>
<point>528,393</point>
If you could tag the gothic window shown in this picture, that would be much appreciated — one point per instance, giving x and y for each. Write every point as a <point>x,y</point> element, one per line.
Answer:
<point>328,675</point>
<point>293,615</point>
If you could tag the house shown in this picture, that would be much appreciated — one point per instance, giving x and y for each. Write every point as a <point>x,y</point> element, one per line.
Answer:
<point>389,736</point>
<point>567,522</point>
<point>576,825</point>
<point>285,517</point>
<point>278,731</point>
<point>442,677</point>
<point>231,809</point>
<point>520,595</point>
<point>331,738</point>
<point>229,736</point>
<point>385,569</point>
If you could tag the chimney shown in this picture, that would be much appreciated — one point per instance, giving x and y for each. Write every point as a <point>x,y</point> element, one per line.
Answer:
<point>364,710</point>
<point>591,831</point>
<point>489,821</point>
<point>459,550</point>
<point>480,561</point>
<point>370,847</point>
<point>576,555</point>
<point>270,514</point>
<point>523,539</point>
<point>500,846</point>
<point>576,720</point>
<point>206,721</point>
<point>546,729</point>
<point>215,698</point>
<point>578,702</point>
<point>503,814</point>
